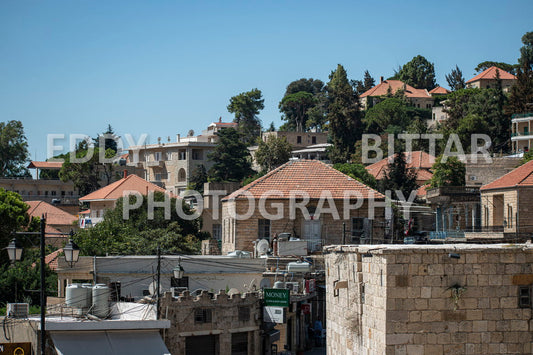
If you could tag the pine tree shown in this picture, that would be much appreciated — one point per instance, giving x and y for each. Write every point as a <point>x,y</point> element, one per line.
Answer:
<point>230,156</point>
<point>399,176</point>
<point>455,79</point>
<point>344,115</point>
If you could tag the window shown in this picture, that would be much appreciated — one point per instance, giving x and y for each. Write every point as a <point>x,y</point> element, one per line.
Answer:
<point>524,297</point>
<point>509,216</point>
<point>313,140</point>
<point>298,139</point>
<point>182,154</point>
<point>357,228</point>
<point>263,229</point>
<point>244,314</point>
<point>54,193</point>
<point>196,154</point>
<point>202,315</point>
<point>182,175</point>
<point>169,156</point>
<point>217,231</point>
<point>157,156</point>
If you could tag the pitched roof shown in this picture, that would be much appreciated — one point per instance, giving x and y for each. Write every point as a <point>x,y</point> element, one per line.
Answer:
<point>51,259</point>
<point>306,176</point>
<point>54,215</point>
<point>45,165</point>
<point>521,176</point>
<point>116,190</point>
<point>382,88</point>
<point>490,73</point>
<point>419,160</point>
<point>439,90</point>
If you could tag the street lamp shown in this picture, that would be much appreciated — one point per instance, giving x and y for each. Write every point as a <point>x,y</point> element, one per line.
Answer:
<point>178,271</point>
<point>72,253</point>
<point>14,250</point>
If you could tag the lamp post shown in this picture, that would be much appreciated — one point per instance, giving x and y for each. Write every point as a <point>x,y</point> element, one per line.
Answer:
<point>72,252</point>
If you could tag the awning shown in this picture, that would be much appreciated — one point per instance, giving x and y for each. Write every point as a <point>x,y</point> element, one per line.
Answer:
<point>141,342</point>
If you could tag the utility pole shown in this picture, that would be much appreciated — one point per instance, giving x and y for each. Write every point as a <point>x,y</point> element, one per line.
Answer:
<point>343,233</point>
<point>158,281</point>
<point>43,287</point>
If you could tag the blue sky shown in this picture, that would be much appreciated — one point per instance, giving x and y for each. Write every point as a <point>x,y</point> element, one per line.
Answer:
<point>165,67</point>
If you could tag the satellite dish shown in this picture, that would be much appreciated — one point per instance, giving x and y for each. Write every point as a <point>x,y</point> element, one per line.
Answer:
<point>262,247</point>
<point>233,291</point>
<point>265,283</point>
<point>153,286</point>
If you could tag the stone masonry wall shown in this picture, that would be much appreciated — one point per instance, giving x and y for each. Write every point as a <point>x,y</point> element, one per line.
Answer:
<point>419,300</point>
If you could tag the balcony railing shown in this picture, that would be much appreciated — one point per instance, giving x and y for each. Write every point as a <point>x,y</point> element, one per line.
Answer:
<point>522,115</point>
<point>442,235</point>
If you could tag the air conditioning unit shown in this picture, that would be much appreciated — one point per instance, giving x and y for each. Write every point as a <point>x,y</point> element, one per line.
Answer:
<point>293,286</point>
<point>177,291</point>
<point>18,310</point>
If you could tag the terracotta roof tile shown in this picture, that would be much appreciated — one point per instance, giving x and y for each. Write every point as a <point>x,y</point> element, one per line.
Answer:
<point>307,176</point>
<point>439,90</point>
<point>490,73</point>
<point>54,215</point>
<point>419,160</point>
<point>521,176</point>
<point>45,165</point>
<point>116,190</point>
<point>395,85</point>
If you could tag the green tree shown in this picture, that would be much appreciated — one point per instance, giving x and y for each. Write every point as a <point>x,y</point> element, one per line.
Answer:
<point>510,68</point>
<point>230,156</point>
<point>272,153</point>
<point>521,93</point>
<point>246,106</point>
<point>419,73</point>
<point>138,234</point>
<point>449,173</point>
<point>296,107</point>
<point>13,218</point>
<point>455,79</point>
<point>198,178</point>
<point>301,97</point>
<point>84,174</point>
<point>526,51</point>
<point>344,116</point>
<point>357,172</point>
<point>364,85</point>
<point>389,114</point>
<point>399,177</point>
<point>13,150</point>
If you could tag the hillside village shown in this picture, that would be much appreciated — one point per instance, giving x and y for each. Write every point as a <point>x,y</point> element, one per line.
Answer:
<point>388,216</point>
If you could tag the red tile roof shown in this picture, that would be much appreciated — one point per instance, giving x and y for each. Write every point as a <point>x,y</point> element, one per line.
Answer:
<point>45,165</point>
<point>51,259</point>
<point>439,90</point>
<point>54,216</point>
<point>521,176</point>
<point>422,191</point>
<point>419,160</point>
<point>395,85</point>
<point>305,176</point>
<point>116,190</point>
<point>490,73</point>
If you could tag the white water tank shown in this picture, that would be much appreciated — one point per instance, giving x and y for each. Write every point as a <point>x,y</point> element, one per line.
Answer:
<point>298,266</point>
<point>279,284</point>
<point>76,296</point>
<point>100,295</point>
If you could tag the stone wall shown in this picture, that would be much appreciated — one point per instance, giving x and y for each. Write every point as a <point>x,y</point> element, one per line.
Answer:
<point>396,299</point>
<point>225,320</point>
<point>516,210</point>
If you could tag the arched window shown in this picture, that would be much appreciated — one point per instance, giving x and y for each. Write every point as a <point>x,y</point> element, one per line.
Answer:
<point>182,175</point>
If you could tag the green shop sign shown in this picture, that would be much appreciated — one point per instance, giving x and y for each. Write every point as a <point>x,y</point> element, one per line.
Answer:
<point>276,297</point>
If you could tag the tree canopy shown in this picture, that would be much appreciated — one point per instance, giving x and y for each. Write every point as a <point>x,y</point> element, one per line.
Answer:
<point>449,173</point>
<point>296,107</point>
<point>455,79</point>
<point>526,51</point>
<point>366,84</point>
<point>246,106</point>
<point>13,218</point>
<point>273,153</point>
<point>230,156</point>
<point>13,150</point>
<point>344,115</point>
<point>399,177</point>
<point>357,172</point>
<point>419,73</point>
<point>301,105</point>
<point>139,235</point>
<point>510,68</point>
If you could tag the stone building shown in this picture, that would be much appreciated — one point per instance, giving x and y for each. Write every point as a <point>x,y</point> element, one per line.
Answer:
<point>521,136</point>
<point>298,140</point>
<point>429,299</point>
<point>487,79</point>
<point>213,324</point>
<point>506,202</point>
<point>419,98</point>
<point>308,199</point>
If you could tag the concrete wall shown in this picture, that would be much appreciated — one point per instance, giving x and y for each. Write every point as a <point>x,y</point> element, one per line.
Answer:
<point>408,305</point>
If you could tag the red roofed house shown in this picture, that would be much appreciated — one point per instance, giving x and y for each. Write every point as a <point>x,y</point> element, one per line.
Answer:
<point>439,90</point>
<point>487,79</point>
<point>106,197</point>
<point>507,202</point>
<point>418,97</point>
<point>57,221</point>
<point>308,199</point>
<point>420,161</point>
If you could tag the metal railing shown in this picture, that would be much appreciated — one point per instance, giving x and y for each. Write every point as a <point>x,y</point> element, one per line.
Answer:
<point>522,115</point>
<point>446,234</point>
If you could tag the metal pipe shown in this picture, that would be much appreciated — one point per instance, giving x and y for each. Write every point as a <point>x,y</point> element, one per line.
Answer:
<point>158,281</point>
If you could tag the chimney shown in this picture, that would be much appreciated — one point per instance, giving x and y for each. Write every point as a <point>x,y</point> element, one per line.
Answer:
<point>125,173</point>
<point>178,138</point>
<point>380,79</point>
<point>220,119</point>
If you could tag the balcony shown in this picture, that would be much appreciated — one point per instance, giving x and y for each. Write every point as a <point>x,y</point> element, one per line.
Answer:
<point>446,194</point>
<point>155,163</point>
